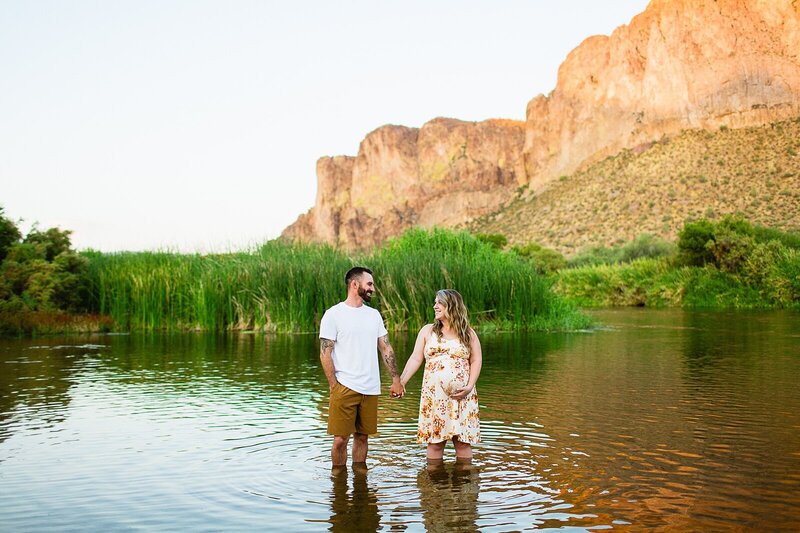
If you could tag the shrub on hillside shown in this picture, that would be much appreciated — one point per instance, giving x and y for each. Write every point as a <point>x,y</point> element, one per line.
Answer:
<point>693,241</point>
<point>544,260</point>
<point>497,241</point>
<point>729,249</point>
<point>789,239</point>
<point>724,244</point>
<point>643,246</point>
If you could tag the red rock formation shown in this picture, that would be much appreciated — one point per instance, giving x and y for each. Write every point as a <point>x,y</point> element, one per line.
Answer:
<point>445,173</point>
<point>680,64</point>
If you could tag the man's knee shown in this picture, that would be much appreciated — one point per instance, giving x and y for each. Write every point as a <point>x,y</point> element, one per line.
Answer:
<point>340,441</point>
<point>361,438</point>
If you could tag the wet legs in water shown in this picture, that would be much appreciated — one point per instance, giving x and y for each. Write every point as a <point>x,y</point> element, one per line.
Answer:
<point>436,451</point>
<point>339,449</point>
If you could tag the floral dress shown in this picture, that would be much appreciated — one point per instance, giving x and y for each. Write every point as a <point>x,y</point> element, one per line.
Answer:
<point>441,417</point>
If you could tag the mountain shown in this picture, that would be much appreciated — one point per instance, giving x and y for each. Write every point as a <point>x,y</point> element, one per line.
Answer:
<point>445,173</point>
<point>679,65</point>
<point>655,187</point>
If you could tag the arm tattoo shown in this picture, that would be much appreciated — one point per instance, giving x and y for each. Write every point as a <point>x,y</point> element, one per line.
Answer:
<point>324,344</point>
<point>388,356</point>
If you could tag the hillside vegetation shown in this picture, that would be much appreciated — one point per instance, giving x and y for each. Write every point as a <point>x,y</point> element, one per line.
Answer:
<point>656,187</point>
<point>729,264</point>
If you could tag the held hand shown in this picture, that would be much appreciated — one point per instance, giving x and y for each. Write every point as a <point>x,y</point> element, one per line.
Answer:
<point>462,393</point>
<point>397,390</point>
<point>332,385</point>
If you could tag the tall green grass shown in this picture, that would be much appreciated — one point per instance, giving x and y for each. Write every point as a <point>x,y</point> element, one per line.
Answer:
<point>286,287</point>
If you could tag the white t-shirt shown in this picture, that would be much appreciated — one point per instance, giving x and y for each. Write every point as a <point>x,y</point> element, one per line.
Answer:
<point>355,332</point>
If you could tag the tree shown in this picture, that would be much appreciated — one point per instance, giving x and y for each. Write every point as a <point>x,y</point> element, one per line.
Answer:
<point>693,242</point>
<point>9,234</point>
<point>53,241</point>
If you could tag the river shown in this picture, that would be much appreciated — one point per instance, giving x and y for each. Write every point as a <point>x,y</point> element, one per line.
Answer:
<point>671,419</point>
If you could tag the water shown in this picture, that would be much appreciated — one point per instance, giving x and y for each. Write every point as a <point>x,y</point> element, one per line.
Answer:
<point>665,419</point>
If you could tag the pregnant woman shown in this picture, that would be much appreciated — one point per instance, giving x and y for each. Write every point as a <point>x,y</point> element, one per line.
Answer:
<point>448,406</point>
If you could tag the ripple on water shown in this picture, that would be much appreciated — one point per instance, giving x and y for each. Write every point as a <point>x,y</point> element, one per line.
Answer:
<point>605,431</point>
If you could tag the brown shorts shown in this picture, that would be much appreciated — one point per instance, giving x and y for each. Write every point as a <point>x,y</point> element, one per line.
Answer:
<point>352,412</point>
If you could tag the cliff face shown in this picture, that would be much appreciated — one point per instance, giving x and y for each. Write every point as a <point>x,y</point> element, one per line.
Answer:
<point>681,64</point>
<point>445,173</point>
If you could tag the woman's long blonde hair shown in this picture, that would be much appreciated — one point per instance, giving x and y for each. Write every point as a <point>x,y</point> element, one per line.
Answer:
<point>456,313</point>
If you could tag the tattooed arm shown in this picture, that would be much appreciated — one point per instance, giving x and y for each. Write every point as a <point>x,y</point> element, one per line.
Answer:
<point>397,390</point>
<point>325,351</point>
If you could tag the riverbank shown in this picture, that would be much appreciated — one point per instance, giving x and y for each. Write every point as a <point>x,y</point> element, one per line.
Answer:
<point>284,288</point>
<point>659,283</point>
<point>728,264</point>
<point>26,323</point>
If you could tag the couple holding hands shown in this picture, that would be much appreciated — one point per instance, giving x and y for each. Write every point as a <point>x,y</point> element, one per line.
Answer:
<point>350,334</point>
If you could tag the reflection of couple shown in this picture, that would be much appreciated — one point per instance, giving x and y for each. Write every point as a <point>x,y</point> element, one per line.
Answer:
<point>448,496</point>
<point>351,333</point>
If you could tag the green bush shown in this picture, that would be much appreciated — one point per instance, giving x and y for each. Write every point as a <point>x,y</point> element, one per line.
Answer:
<point>788,283</point>
<point>52,241</point>
<point>724,244</point>
<point>693,242</point>
<point>595,255</point>
<point>545,261</point>
<point>788,239</point>
<point>40,273</point>
<point>729,249</point>
<point>495,240</point>
<point>643,246</point>
<point>9,234</point>
<point>727,264</point>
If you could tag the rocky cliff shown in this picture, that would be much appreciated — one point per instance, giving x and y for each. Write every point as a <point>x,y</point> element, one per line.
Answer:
<point>445,173</point>
<point>681,64</point>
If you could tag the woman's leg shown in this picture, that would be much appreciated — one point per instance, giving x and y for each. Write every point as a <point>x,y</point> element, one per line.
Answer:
<point>463,450</point>
<point>436,451</point>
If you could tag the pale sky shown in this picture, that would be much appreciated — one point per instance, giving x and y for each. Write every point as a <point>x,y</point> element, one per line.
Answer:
<point>196,125</point>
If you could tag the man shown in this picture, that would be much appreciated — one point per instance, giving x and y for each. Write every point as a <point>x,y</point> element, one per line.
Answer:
<point>350,334</point>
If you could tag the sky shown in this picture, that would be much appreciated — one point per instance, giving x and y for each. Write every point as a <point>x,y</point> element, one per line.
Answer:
<point>196,125</point>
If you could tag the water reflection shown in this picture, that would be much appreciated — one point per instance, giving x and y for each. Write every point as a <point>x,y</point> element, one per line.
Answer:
<point>356,509</point>
<point>681,420</point>
<point>448,495</point>
<point>35,382</point>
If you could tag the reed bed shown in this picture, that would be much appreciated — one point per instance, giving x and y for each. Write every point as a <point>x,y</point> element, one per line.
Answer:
<point>286,287</point>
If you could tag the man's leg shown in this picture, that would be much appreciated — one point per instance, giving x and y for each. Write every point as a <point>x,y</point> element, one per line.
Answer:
<point>339,450</point>
<point>342,411</point>
<point>366,424</point>
<point>360,445</point>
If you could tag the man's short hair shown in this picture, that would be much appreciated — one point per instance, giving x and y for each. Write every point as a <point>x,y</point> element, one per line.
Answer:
<point>355,273</point>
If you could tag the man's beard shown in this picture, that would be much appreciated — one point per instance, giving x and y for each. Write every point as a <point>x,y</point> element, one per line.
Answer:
<point>365,295</point>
